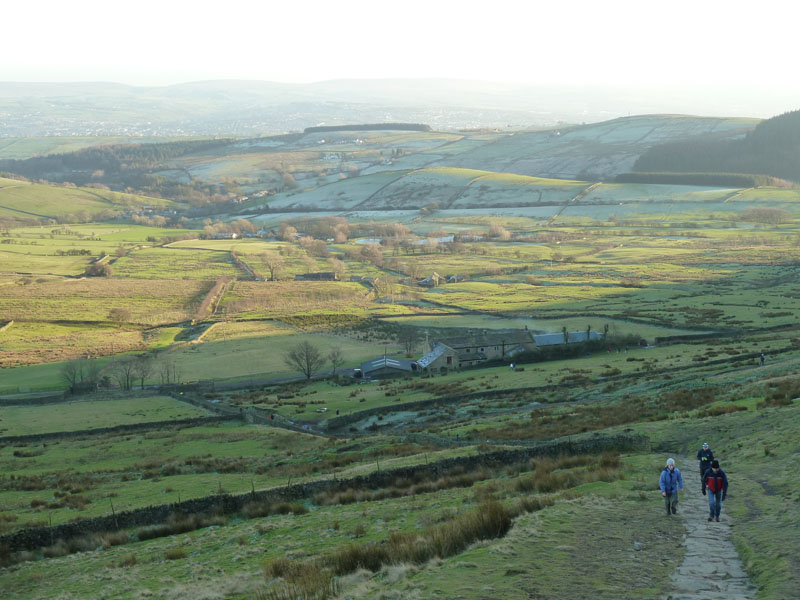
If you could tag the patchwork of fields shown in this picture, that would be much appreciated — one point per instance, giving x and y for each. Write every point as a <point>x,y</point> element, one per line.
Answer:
<point>405,487</point>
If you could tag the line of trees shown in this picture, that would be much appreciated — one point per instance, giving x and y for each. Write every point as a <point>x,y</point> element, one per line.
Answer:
<point>126,372</point>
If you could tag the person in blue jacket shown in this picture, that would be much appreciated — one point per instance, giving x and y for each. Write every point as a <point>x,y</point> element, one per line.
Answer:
<point>716,483</point>
<point>671,483</point>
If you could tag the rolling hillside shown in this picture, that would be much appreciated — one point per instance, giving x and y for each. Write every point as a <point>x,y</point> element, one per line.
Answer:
<point>596,151</point>
<point>21,200</point>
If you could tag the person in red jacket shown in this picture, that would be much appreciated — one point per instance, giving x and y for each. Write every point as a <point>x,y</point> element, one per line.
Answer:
<point>716,482</point>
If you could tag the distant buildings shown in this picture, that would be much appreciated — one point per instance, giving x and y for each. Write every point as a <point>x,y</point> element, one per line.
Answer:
<point>324,276</point>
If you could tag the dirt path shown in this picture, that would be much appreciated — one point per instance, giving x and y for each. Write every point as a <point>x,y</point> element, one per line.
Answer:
<point>711,569</point>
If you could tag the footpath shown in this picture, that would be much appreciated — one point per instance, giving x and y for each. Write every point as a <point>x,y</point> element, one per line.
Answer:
<point>711,569</point>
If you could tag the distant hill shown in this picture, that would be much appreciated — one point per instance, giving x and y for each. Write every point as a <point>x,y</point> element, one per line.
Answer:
<point>120,167</point>
<point>597,151</point>
<point>771,148</point>
<point>251,108</point>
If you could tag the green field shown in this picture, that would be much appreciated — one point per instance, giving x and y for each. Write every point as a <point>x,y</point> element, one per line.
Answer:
<point>22,199</point>
<point>92,414</point>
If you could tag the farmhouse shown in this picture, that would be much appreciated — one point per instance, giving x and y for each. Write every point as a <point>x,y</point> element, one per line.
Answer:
<point>325,276</point>
<point>439,357</point>
<point>385,366</point>
<point>432,280</point>
<point>485,345</point>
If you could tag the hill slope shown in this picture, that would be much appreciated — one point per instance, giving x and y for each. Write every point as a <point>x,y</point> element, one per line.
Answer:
<point>772,148</point>
<point>596,151</point>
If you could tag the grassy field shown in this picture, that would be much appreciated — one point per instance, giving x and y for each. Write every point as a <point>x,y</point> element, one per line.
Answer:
<point>232,353</point>
<point>167,263</point>
<point>20,199</point>
<point>334,527</point>
<point>90,300</point>
<point>26,343</point>
<point>92,414</point>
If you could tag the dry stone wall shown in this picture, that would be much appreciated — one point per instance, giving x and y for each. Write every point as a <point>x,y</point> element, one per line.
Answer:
<point>34,538</point>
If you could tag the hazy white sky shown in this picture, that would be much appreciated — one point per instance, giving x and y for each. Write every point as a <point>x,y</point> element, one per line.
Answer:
<point>528,41</point>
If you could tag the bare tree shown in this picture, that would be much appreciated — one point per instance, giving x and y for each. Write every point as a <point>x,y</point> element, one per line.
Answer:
<point>168,371</point>
<point>430,245</point>
<point>336,358</point>
<point>288,182</point>
<point>286,232</point>
<point>385,287</point>
<point>306,358</point>
<point>274,262</point>
<point>142,367</point>
<point>410,338</point>
<point>309,264</point>
<point>414,269</point>
<point>72,372</point>
<point>92,370</point>
<point>338,267</point>
<point>123,371</point>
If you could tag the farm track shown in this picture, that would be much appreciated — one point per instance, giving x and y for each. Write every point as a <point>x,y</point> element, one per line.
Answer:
<point>711,569</point>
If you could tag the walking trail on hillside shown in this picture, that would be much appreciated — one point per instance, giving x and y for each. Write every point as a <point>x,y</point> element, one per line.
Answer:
<point>711,569</point>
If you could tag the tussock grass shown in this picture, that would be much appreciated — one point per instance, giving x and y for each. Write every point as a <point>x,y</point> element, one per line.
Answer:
<point>129,560</point>
<point>403,487</point>
<point>180,524</point>
<point>253,510</point>
<point>175,553</point>
<point>551,475</point>
<point>297,579</point>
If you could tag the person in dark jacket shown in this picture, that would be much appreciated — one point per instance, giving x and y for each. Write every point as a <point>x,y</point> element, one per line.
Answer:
<point>704,457</point>
<point>716,483</point>
<point>671,483</point>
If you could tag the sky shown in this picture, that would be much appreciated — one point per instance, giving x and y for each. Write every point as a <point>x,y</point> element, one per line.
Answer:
<point>521,41</point>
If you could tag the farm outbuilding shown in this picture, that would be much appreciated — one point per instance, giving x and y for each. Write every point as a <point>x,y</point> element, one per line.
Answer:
<point>573,337</point>
<point>385,367</point>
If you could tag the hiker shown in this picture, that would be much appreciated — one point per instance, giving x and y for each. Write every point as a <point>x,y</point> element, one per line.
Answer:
<point>716,482</point>
<point>762,359</point>
<point>671,483</point>
<point>704,457</point>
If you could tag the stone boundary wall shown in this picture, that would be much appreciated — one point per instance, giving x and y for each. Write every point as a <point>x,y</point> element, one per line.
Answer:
<point>338,423</point>
<point>5,326</point>
<point>34,538</point>
<point>129,428</point>
<point>37,400</point>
